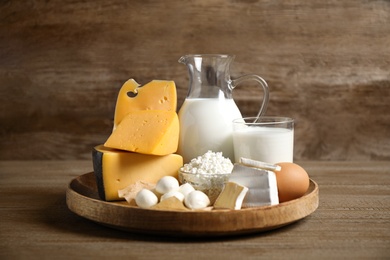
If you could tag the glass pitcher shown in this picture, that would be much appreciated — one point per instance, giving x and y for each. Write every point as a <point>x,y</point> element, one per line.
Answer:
<point>208,111</point>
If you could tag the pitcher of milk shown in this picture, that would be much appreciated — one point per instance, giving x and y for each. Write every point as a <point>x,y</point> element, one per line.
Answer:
<point>208,111</point>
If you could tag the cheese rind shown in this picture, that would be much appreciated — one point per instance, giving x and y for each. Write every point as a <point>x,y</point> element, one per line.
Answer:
<point>155,95</point>
<point>231,196</point>
<point>263,189</point>
<point>153,132</point>
<point>116,170</point>
<point>259,164</point>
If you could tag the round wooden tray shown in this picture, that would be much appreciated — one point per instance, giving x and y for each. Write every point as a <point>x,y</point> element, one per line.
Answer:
<point>82,198</point>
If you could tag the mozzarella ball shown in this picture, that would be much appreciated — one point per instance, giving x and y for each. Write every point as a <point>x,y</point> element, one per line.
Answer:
<point>166,184</point>
<point>146,199</point>
<point>186,188</point>
<point>173,193</point>
<point>196,200</point>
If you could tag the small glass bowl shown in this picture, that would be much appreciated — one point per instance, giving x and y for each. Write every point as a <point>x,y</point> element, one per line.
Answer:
<point>210,184</point>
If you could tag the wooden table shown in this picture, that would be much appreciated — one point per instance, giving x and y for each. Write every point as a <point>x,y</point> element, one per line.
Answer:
<point>353,220</point>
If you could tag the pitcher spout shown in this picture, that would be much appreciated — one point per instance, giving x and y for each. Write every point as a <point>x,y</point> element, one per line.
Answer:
<point>209,75</point>
<point>183,59</point>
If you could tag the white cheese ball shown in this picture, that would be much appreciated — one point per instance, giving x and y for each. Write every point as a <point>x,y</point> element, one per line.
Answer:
<point>196,200</point>
<point>173,193</point>
<point>146,198</point>
<point>185,189</point>
<point>166,184</point>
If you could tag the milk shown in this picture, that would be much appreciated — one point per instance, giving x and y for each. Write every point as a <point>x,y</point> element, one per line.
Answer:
<point>206,124</point>
<point>266,144</point>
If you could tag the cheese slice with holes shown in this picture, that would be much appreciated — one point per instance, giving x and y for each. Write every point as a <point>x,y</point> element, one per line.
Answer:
<point>153,132</point>
<point>116,170</point>
<point>155,95</point>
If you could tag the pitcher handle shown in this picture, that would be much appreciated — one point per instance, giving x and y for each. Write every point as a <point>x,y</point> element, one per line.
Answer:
<point>264,85</point>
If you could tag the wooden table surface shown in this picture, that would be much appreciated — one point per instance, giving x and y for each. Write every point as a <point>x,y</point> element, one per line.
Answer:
<point>352,220</point>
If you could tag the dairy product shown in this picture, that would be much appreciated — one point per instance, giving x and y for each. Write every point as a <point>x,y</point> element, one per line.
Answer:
<point>206,124</point>
<point>209,163</point>
<point>207,173</point>
<point>147,131</point>
<point>173,193</point>
<point>258,164</point>
<point>171,203</point>
<point>267,144</point>
<point>167,184</point>
<point>196,200</point>
<point>146,199</point>
<point>186,188</point>
<point>231,196</point>
<point>262,185</point>
<point>156,95</point>
<point>131,191</point>
<point>116,170</point>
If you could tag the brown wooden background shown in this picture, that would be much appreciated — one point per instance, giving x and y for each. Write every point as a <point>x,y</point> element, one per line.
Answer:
<point>62,63</point>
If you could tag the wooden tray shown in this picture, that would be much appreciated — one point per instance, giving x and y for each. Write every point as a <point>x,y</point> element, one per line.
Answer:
<point>82,198</point>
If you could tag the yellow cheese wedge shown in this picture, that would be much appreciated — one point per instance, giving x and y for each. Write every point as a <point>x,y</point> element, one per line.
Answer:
<point>116,170</point>
<point>156,95</point>
<point>231,196</point>
<point>147,131</point>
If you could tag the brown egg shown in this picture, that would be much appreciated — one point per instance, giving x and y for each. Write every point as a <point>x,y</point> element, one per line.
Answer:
<point>292,181</point>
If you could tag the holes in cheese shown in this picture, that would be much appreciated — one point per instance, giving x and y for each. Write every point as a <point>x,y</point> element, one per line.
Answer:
<point>116,170</point>
<point>155,95</point>
<point>132,94</point>
<point>153,132</point>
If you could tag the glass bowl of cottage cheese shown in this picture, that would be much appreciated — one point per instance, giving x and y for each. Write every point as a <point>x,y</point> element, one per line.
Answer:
<point>207,173</point>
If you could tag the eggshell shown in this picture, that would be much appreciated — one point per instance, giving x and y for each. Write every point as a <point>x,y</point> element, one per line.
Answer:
<point>292,181</point>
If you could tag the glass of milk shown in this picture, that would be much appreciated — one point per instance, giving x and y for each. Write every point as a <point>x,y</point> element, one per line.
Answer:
<point>267,139</point>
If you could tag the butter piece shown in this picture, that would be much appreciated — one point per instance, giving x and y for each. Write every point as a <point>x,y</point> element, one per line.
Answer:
<point>231,196</point>
<point>262,185</point>
<point>116,170</point>
<point>156,95</point>
<point>148,132</point>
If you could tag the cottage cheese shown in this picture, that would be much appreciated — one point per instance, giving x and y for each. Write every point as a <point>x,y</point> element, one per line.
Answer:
<point>207,173</point>
<point>209,163</point>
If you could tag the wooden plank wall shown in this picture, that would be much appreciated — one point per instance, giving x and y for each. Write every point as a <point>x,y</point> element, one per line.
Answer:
<point>62,63</point>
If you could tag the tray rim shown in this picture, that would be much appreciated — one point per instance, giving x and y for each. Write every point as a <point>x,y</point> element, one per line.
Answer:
<point>135,219</point>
